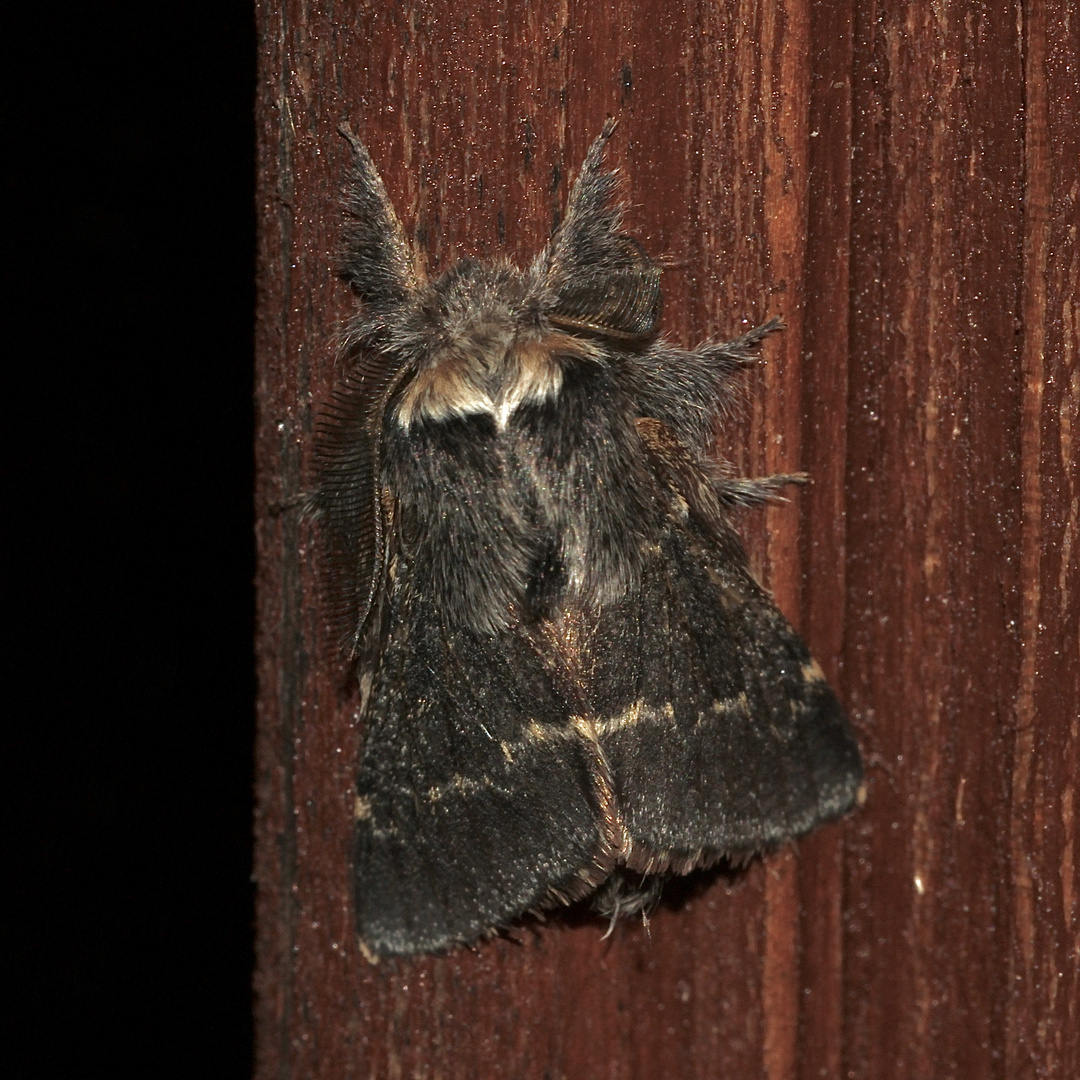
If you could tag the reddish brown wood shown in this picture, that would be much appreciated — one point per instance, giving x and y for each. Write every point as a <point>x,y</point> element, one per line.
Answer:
<point>899,183</point>
<point>933,514</point>
<point>824,404</point>
<point>1043,1023</point>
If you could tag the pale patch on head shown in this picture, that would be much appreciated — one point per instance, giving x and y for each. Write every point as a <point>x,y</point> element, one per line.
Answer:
<point>449,388</point>
<point>362,809</point>
<point>491,373</point>
<point>811,672</point>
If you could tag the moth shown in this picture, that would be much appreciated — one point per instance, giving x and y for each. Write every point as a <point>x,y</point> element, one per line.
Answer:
<point>570,682</point>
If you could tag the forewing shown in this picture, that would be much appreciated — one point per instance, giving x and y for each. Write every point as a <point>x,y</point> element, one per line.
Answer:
<point>720,731</point>
<point>477,798</point>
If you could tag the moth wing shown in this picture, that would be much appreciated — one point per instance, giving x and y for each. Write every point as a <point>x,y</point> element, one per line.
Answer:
<point>720,731</point>
<point>477,799</point>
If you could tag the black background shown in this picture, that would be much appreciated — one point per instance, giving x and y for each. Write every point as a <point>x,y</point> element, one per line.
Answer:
<point>127,554</point>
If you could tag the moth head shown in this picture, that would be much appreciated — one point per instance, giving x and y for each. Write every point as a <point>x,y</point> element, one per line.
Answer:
<point>474,309</point>
<point>592,280</point>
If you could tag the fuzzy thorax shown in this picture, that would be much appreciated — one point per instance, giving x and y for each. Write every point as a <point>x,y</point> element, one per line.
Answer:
<point>488,350</point>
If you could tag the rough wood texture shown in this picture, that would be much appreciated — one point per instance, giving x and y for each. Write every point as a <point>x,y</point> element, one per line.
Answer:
<point>899,183</point>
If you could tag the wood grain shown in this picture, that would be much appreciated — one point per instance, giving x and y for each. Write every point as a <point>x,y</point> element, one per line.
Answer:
<point>899,184</point>
<point>1043,1025</point>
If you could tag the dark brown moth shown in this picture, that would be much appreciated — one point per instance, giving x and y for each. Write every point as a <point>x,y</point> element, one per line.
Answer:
<point>571,683</point>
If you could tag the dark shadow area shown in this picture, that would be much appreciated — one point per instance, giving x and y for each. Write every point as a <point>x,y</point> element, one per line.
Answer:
<point>127,554</point>
<point>671,891</point>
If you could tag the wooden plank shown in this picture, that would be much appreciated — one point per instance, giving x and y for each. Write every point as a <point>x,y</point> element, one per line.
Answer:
<point>1043,1031</point>
<point>930,660</point>
<point>826,288</point>
<point>900,186</point>
<point>477,121</point>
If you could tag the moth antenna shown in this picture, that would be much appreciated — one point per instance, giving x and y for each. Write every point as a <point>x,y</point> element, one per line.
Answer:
<point>376,259</point>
